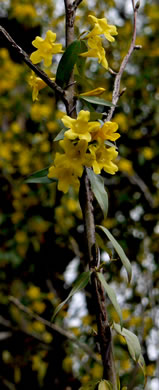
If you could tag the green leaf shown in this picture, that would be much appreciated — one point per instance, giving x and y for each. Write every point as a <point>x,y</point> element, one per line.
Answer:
<point>142,365</point>
<point>94,115</point>
<point>80,283</point>
<point>131,340</point>
<point>40,177</point>
<point>97,185</point>
<point>112,296</point>
<point>96,100</point>
<point>119,250</point>
<point>80,63</point>
<point>67,62</point>
<point>60,135</point>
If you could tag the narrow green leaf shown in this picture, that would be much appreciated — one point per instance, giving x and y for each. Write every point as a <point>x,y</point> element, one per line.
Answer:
<point>94,115</point>
<point>131,340</point>
<point>60,135</point>
<point>118,382</point>
<point>112,296</point>
<point>142,365</point>
<point>80,63</point>
<point>80,283</point>
<point>97,185</point>
<point>67,62</point>
<point>119,250</point>
<point>40,177</point>
<point>96,100</point>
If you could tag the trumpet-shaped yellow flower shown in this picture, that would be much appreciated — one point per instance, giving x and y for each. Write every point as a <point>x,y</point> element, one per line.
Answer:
<point>103,158</point>
<point>94,92</point>
<point>107,132</point>
<point>66,176</point>
<point>45,49</point>
<point>102,27</point>
<point>80,127</point>
<point>37,84</point>
<point>69,165</point>
<point>75,155</point>
<point>96,50</point>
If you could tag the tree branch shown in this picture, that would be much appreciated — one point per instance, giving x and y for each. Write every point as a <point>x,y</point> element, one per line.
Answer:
<point>116,89</point>
<point>70,336</point>
<point>24,56</point>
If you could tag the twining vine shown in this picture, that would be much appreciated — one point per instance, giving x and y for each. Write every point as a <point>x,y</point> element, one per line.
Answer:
<point>88,147</point>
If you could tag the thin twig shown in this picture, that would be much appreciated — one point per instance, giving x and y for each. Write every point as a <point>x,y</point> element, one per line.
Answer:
<point>55,328</point>
<point>24,56</point>
<point>116,89</point>
<point>136,180</point>
<point>112,71</point>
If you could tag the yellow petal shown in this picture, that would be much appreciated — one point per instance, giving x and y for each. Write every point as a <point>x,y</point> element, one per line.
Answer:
<point>94,92</point>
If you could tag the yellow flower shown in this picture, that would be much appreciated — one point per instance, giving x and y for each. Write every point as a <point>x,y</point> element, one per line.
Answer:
<point>94,92</point>
<point>39,307</point>
<point>103,158</point>
<point>69,165</point>
<point>96,51</point>
<point>40,111</point>
<point>24,10</point>
<point>33,292</point>
<point>125,165</point>
<point>20,237</point>
<point>150,369</point>
<point>97,371</point>
<point>38,326</point>
<point>102,27</point>
<point>148,153</point>
<point>47,337</point>
<point>125,365</point>
<point>107,132</point>
<point>75,154</point>
<point>80,128</point>
<point>37,84</point>
<point>45,49</point>
<point>67,364</point>
<point>66,177</point>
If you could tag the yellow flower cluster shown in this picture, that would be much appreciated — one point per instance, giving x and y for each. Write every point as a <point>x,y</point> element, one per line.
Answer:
<point>101,27</point>
<point>84,145</point>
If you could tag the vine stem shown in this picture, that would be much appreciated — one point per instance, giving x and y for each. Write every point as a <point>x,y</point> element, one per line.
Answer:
<point>116,88</point>
<point>86,202</point>
<point>98,296</point>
